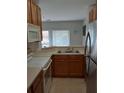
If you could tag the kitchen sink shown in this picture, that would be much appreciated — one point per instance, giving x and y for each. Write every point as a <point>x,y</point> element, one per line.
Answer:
<point>68,51</point>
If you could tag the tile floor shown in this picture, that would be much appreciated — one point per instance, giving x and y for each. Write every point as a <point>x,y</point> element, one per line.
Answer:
<point>68,85</point>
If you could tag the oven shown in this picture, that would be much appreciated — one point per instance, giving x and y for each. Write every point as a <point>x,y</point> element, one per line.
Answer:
<point>47,77</point>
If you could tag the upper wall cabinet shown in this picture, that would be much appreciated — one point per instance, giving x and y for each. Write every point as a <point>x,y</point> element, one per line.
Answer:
<point>33,13</point>
<point>39,20</point>
<point>29,11</point>
<point>93,13</point>
<point>39,15</point>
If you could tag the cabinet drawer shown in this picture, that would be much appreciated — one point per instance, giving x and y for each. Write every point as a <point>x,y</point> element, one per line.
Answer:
<point>37,80</point>
<point>60,57</point>
<point>75,57</point>
<point>60,60</point>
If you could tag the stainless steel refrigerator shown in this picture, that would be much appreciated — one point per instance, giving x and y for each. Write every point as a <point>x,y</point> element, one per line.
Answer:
<point>91,57</point>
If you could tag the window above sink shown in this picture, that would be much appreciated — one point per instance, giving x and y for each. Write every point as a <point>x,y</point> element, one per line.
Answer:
<point>56,38</point>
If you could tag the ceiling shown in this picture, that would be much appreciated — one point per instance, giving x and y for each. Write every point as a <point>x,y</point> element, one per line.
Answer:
<point>64,10</point>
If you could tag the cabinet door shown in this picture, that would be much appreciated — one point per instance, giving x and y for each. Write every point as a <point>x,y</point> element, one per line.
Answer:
<point>60,68</point>
<point>39,15</point>
<point>39,21</point>
<point>91,16</point>
<point>29,90</point>
<point>34,13</point>
<point>38,83</point>
<point>94,13</point>
<point>76,68</point>
<point>38,89</point>
<point>29,11</point>
<point>76,65</point>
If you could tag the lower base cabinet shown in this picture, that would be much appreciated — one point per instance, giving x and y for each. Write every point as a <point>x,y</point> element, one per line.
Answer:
<point>68,66</point>
<point>76,68</point>
<point>61,68</point>
<point>37,85</point>
<point>29,90</point>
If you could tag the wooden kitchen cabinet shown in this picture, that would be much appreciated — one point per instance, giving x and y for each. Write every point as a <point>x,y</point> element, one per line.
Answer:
<point>93,13</point>
<point>76,68</point>
<point>76,65</point>
<point>38,16</point>
<point>90,16</point>
<point>34,13</point>
<point>37,85</point>
<point>38,89</point>
<point>61,68</point>
<point>94,10</point>
<point>68,66</point>
<point>39,20</point>
<point>29,11</point>
<point>29,90</point>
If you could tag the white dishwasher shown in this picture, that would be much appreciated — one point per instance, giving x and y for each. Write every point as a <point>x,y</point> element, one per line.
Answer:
<point>47,76</point>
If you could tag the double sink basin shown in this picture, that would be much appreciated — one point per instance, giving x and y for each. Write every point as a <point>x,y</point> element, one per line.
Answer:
<point>69,51</point>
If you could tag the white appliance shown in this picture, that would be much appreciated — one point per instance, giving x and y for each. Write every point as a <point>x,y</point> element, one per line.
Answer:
<point>47,77</point>
<point>33,32</point>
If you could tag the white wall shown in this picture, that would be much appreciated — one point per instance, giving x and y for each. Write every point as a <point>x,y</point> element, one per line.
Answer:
<point>75,28</point>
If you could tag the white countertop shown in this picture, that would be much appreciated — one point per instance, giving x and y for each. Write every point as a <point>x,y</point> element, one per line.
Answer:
<point>34,66</point>
<point>38,62</point>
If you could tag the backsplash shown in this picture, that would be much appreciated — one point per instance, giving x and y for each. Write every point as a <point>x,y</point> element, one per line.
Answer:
<point>33,46</point>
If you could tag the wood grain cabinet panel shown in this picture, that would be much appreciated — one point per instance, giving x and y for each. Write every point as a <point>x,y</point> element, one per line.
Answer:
<point>37,81</point>
<point>68,66</point>
<point>37,85</point>
<point>60,57</point>
<point>76,68</point>
<point>29,90</point>
<point>75,57</point>
<point>29,11</point>
<point>38,88</point>
<point>34,13</point>
<point>93,13</point>
<point>38,16</point>
<point>61,68</point>
<point>39,19</point>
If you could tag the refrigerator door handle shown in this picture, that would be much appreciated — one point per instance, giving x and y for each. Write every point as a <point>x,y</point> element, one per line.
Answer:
<point>88,37</point>
<point>89,52</point>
